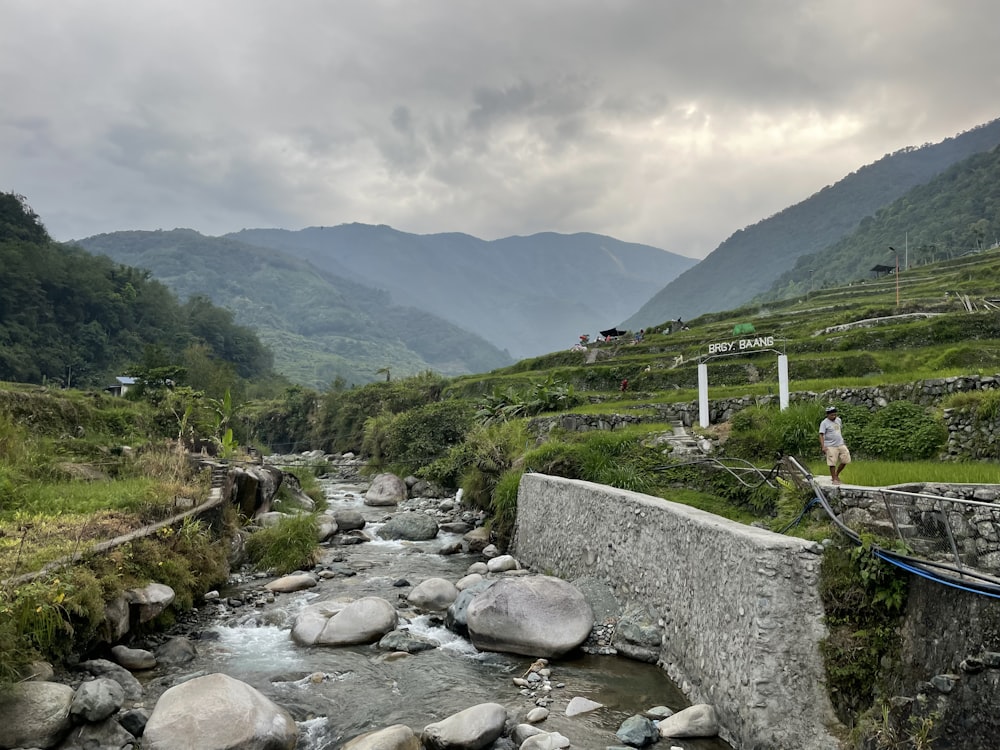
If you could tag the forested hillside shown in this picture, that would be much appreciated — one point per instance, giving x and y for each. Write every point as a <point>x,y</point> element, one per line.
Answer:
<point>750,260</point>
<point>957,212</point>
<point>71,318</point>
<point>321,327</point>
<point>529,295</point>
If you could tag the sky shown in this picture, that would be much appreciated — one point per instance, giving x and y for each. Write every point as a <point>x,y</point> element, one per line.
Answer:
<point>672,123</point>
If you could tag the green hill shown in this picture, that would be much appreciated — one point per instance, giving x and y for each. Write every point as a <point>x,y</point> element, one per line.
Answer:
<point>749,261</point>
<point>320,327</point>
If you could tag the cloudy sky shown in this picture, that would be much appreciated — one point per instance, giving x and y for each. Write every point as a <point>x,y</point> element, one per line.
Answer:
<point>668,122</point>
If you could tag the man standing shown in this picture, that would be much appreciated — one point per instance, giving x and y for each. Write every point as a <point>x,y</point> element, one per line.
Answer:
<point>831,442</point>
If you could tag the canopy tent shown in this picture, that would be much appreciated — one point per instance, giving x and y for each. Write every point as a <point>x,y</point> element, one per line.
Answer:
<point>613,332</point>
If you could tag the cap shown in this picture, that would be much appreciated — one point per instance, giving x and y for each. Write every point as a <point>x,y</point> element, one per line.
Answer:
<point>831,409</point>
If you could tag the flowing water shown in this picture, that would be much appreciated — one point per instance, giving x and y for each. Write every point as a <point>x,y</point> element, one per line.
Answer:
<point>337,693</point>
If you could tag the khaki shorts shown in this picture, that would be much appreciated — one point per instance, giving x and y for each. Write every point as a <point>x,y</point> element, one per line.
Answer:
<point>838,455</point>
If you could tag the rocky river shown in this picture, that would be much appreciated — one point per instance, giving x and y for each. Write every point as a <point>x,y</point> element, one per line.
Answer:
<point>334,694</point>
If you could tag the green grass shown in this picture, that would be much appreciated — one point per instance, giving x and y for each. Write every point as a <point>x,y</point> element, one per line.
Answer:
<point>887,473</point>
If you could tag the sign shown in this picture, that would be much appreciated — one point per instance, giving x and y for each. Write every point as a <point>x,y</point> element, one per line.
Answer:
<point>725,347</point>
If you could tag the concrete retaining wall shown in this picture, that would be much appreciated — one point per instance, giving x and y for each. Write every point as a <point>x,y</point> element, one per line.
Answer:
<point>740,605</point>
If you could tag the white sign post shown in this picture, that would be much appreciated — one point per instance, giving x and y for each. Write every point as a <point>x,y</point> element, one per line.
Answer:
<point>703,394</point>
<point>783,381</point>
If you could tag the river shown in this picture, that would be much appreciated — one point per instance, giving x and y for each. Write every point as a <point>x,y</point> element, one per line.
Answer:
<point>337,693</point>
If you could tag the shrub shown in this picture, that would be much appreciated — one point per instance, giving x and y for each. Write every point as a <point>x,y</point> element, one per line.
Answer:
<point>900,430</point>
<point>761,433</point>
<point>288,546</point>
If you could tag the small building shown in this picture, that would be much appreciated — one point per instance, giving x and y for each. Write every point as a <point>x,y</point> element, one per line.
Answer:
<point>881,270</point>
<point>121,386</point>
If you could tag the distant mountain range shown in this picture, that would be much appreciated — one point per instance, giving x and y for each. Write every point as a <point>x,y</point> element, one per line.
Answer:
<point>749,262</point>
<point>529,295</point>
<point>350,302</point>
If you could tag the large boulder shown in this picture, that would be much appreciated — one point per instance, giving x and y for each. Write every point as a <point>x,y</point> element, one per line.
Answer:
<point>516,615</point>
<point>386,489</point>
<point>411,526</point>
<point>364,620</point>
<point>472,729</point>
<point>218,711</point>
<point>254,488</point>
<point>35,714</point>
<point>433,595</point>
<point>150,600</point>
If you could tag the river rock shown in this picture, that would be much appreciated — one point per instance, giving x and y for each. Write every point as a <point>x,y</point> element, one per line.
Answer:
<point>96,700</point>
<point>364,620</point>
<point>134,721</point>
<point>638,635</point>
<point>270,519</point>
<point>699,720</point>
<point>477,539</point>
<point>292,582</point>
<point>433,595</point>
<point>35,714</point>
<point>456,527</point>
<point>386,489</point>
<point>326,527</point>
<point>133,659</point>
<point>411,526</point>
<point>470,580</point>
<point>404,640</point>
<point>638,731</point>
<point>294,495</point>
<point>150,600</point>
<point>478,567</point>
<point>176,650</point>
<point>116,619</point>
<point>501,563</point>
<point>396,737</point>
<point>580,705</point>
<point>537,714</point>
<point>545,741</point>
<point>218,711</point>
<point>515,615</point>
<point>456,618</point>
<point>472,729</point>
<point>116,672</point>
<point>108,733</point>
<point>349,519</point>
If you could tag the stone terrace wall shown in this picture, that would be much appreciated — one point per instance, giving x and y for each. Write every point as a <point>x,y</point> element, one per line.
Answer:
<point>740,605</point>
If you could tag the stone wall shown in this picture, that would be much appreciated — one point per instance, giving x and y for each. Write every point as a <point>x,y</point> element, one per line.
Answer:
<point>740,607</point>
<point>951,663</point>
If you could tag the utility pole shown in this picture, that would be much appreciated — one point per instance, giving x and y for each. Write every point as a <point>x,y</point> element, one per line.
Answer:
<point>896,252</point>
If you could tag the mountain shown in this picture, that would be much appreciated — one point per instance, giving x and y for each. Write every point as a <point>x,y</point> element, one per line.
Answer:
<point>319,326</point>
<point>956,213</point>
<point>750,260</point>
<point>529,295</point>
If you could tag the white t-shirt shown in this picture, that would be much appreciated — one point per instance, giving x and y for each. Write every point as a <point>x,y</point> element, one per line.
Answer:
<point>830,430</point>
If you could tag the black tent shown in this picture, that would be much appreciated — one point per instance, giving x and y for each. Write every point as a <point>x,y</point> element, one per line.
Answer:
<point>613,333</point>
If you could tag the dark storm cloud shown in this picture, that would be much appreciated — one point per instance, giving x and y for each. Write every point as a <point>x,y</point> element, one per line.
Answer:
<point>672,123</point>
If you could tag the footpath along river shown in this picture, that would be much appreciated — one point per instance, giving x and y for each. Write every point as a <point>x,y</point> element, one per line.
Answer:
<point>335,694</point>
